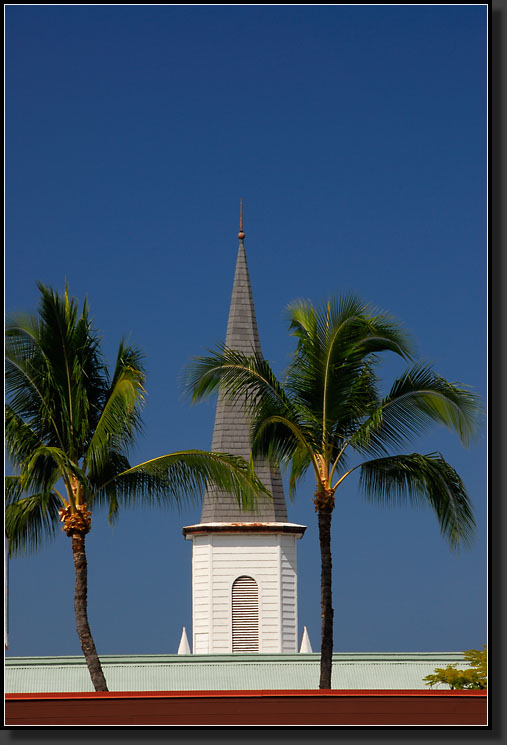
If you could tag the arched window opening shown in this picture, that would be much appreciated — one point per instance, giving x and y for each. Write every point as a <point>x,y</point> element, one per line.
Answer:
<point>245,615</point>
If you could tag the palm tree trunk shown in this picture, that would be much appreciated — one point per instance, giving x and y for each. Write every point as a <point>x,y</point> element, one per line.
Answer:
<point>81,613</point>
<point>326,650</point>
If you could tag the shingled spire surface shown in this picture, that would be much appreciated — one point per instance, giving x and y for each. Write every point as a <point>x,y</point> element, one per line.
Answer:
<point>232,432</point>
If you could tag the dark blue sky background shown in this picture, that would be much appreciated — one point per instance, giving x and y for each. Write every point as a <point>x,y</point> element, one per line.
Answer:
<point>356,136</point>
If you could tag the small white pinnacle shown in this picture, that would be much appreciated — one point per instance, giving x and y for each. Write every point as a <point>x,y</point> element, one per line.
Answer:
<point>305,647</point>
<point>184,647</point>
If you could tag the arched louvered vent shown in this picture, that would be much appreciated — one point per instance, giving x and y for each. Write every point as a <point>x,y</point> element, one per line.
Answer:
<point>245,615</point>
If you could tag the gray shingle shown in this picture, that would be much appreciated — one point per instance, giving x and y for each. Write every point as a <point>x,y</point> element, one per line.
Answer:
<point>231,432</point>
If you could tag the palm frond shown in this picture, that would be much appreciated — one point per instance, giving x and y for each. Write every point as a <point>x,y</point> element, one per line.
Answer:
<point>278,437</point>
<point>20,438</point>
<point>416,400</point>
<point>300,462</point>
<point>63,466</point>
<point>13,489</point>
<point>37,468</point>
<point>25,379</point>
<point>336,347</point>
<point>119,419</point>
<point>422,479</point>
<point>29,521</point>
<point>76,374</point>
<point>345,323</point>
<point>55,375</point>
<point>237,376</point>
<point>103,487</point>
<point>179,477</point>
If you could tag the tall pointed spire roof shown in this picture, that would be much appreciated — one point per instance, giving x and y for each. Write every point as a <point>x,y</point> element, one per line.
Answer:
<point>232,433</point>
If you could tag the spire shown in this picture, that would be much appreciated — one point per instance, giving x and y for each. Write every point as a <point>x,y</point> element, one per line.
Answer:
<point>242,334</point>
<point>306,647</point>
<point>241,234</point>
<point>184,647</point>
<point>232,430</point>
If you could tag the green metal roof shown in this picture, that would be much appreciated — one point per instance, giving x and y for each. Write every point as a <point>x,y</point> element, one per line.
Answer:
<point>362,670</point>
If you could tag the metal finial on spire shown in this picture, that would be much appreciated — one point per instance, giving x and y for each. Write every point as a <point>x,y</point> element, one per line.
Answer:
<point>241,234</point>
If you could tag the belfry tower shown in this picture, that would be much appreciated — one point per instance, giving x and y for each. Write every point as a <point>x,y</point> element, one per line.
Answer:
<point>244,569</point>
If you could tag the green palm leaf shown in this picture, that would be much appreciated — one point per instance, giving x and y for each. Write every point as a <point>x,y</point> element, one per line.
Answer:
<point>422,479</point>
<point>180,477</point>
<point>21,439</point>
<point>418,399</point>
<point>25,372</point>
<point>336,344</point>
<point>119,419</point>
<point>29,521</point>
<point>279,427</point>
<point>236,375</point>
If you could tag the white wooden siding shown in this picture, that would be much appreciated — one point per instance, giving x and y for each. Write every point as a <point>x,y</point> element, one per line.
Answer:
<point>288,578</point>
<point>217,561</point>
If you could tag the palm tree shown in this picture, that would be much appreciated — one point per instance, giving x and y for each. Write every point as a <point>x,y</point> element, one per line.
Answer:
<point>329,407</point>
<point>69,423</point>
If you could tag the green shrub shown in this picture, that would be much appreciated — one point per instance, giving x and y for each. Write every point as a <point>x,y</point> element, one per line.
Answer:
<point>474,677</point>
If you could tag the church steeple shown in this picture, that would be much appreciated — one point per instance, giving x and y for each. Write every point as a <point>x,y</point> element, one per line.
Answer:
<point>244,565</point>
<point>231,433</point>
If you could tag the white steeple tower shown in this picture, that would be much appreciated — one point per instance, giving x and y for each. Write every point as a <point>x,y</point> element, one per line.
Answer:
<point>244,567</point>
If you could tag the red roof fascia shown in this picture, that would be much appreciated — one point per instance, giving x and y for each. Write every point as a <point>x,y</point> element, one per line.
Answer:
<point>245,693</point>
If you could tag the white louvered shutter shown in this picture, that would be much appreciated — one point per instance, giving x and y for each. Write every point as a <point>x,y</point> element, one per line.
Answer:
<point>245,615</point>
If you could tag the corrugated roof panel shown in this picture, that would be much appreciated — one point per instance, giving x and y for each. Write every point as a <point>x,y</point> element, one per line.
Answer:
<point>226,672</point>
<point>47,679</point>
<point>381,675</point>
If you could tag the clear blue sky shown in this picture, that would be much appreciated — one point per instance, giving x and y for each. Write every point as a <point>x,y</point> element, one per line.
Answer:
<point>356,136</point>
